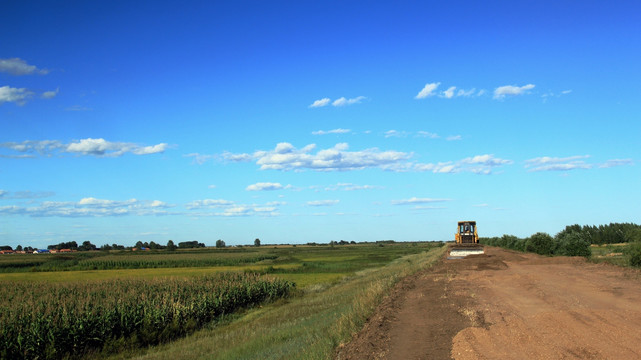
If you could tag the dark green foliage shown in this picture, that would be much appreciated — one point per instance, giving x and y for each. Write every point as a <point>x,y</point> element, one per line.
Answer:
<point>257,242</point>
<point>573,244</point>
<point>634,252</point>
<point>540,243</point>
<point>72,245</point>
<point>190,245</point>
<point>55,321</point>
<point>613,233</point>
<point>171,246</point>
<point>219,243</point>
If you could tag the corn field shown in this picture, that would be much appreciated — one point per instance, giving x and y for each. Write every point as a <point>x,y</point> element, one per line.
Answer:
<point>71,320</point>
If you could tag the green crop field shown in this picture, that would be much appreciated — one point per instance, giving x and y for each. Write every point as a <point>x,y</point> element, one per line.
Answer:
<point>97,304</point>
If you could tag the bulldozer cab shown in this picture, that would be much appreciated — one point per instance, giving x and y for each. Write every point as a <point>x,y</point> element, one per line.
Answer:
<point>466,233</point>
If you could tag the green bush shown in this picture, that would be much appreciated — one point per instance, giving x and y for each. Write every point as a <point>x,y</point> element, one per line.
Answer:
<point>634,252</point>
<point>540,243</point>
<point>573,244</point>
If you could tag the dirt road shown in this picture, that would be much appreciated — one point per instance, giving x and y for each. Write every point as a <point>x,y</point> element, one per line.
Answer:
<point>507,305</point>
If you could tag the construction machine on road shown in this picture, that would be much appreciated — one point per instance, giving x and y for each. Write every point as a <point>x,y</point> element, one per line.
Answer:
<point>466,241</point>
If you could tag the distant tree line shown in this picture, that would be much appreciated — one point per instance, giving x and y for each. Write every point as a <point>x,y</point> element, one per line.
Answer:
<point>612,233</point>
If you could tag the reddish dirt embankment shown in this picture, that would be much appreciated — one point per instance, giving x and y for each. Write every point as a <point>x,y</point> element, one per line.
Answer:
<point>507,305</point>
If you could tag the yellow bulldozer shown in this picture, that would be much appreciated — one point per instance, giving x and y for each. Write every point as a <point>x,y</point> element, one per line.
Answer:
<point>466,241</point>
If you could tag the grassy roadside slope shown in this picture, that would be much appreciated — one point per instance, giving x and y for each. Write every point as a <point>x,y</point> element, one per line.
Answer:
<point>309,326</point>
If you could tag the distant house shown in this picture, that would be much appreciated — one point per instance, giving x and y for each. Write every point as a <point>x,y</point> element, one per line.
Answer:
<point>64,250</point>
<point>53,251</point>
<point>43,251</point>
<point>6,252</point>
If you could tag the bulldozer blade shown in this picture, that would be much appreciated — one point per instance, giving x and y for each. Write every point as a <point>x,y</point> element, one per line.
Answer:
<point>461,253</point>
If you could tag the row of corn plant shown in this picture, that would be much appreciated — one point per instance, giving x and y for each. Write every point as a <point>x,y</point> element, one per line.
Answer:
<point>76,262</point>
<point>71,320</point>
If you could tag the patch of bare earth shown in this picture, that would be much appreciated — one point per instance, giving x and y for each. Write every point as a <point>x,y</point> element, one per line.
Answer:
<point>507,305</point>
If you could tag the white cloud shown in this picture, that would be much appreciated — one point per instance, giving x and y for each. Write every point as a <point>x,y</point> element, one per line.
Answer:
<point>227,208</point>
<point>480,164</point>
<point>466,93</point>
<point>16,95</point>
<point>25,194</point>
<point>212,186</point>
<point>323,202</point>
<point>208,203</point>
<point>481,92</point>
<point>565,92</point>
<point>546,163</point>
<point>17,66</point>
<point>348,187</point>
<point>320,103</point>
<point>427,134</point>
<point>428,90</point>
<point>616,162</point>
<point>78,108</point>
<point>334,131</point>
<point>343,101</point>
<point>90,207</point>
<point>96,147</point>
<point>454,138</point>
<point>395,133</point>
<point>481,205</point>
<point>503,91</point>
<point>415,200</point>
<point>449,93</point>
<point>286,157</point>
<point>50,94</point>
<point>264,186</point>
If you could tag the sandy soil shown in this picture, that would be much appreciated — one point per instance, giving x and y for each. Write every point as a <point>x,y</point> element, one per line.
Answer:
<point>507,305</point>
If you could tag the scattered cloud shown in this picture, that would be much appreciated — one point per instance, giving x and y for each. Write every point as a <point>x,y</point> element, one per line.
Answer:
<point>449,93</point>
<point>320,103</point>
<point>510,90</point>
<point>428,90</point>
<point>95,147</point>
<point>616,162</point>
<point>227,208</point>
<point>395,133</point>
<point>479,164</point>
<point>415,200</point>
<point>323,202</point>
<point>266,186</point>
<point>78,108</point>
<point>16,95</point>
<point>347,187</point>
<point>335,131</point>
<point>546,163</point>
<point>454,138</point>
<point>481,205</point>
<point>208,203</point>
<point>50,94</point>
<point>343,101</point>
<point>427,134</point>
<point>90,207</point>
<point>286,157</point>
<point>212,186</point>
<point>25,194</point>
<point>17,66</point>
<point>467,93</point>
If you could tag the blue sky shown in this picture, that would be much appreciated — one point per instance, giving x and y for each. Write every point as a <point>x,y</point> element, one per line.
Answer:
<point>295,122</point>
